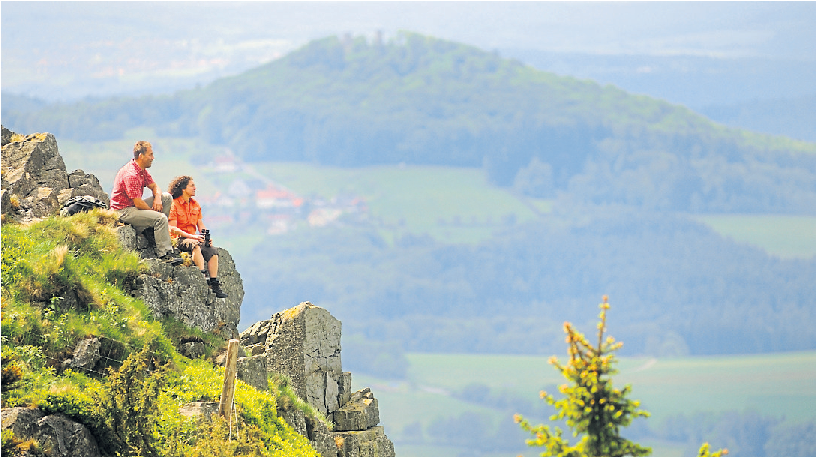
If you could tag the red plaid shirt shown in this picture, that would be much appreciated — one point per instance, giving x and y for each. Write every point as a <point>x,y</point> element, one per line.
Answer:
<point>129,184</point>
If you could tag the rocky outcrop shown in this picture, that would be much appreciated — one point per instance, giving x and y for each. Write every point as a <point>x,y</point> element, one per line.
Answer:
<point>359,413</point>
<point>182,291</point>
<point>56,435</point>
<point>303,343</point>
<point>35,182</point>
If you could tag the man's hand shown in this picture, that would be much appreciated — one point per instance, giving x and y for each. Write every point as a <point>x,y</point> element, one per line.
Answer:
<point>157,203</point>
<point>199,238</point>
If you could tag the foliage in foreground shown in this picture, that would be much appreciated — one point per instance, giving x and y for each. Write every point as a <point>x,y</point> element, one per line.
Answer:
<point>64,280</point>
<point>591,406</point>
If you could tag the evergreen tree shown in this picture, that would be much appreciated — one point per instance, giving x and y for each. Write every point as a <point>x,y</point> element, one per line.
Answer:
<point>591,406</point>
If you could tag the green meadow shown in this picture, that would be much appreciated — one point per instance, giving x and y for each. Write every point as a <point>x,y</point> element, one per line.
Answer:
<point>786,236</point>
<point>449,204</point>
<point>778,385</point>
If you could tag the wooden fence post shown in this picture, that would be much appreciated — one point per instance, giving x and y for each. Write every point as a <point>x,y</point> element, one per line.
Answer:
<point>227,393</point>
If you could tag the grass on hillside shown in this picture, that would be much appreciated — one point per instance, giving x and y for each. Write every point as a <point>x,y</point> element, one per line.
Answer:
<point>65,280</point>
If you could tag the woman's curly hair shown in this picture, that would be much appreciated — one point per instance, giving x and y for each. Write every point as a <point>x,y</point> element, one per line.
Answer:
<point>177,185</point>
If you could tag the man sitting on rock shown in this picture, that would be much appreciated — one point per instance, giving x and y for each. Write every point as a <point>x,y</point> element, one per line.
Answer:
<point>151,212</point>
<point>185,219</point>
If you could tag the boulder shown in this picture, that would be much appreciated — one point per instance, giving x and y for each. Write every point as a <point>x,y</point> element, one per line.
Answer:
<point>303,343</point>
<point>368,443</point>
<point>81,183</point>
<point>56,435</point>
<point>7,134</point>
<point>359,413</point>
<point>35,182</point>
<point>95,354</point>
<point>192,349</point>
<point>182,291</point>
<point>86,354</point>
<point>252,370</point>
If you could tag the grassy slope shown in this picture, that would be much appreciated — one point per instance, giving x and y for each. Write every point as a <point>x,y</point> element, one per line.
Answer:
<point>42,262</point>
<point>776,385</point>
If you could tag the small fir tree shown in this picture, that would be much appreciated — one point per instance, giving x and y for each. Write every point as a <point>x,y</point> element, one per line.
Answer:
<point>591,406</point>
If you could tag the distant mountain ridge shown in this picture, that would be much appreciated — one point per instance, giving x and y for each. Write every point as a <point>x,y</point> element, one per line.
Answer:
<point>421,100</point>
<point>792,117</point>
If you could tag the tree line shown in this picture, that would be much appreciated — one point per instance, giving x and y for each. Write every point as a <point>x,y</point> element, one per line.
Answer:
<point>422,100</point>
<point>680,288</point>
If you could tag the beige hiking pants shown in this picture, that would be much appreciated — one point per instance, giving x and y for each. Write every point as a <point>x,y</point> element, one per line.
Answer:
<point>145,218</point>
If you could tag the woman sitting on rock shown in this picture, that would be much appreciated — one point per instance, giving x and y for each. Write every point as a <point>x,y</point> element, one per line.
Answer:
<point>185,219</point>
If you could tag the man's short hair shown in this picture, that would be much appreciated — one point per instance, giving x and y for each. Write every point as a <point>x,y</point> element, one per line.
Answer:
<point>141,147</point>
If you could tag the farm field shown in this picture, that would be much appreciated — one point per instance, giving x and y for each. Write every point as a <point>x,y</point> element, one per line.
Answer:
<point>782,235</point>
<point>772,384</point>
<point>450,204</point>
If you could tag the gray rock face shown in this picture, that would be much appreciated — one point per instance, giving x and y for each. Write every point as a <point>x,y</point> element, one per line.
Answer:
<point>182,291</point>
<point>366,443</point>
<point>359,413</point>
<point>57,435</point>
<point>6,136</point>
<point>303,343</point>
<point>34,179</point>
<point>295,418</point>
<point>252,370</point>
<point>81,183</point>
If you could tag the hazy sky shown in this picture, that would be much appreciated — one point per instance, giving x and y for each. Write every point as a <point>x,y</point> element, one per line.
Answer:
<point>720,28</point>
<point>54,48</point>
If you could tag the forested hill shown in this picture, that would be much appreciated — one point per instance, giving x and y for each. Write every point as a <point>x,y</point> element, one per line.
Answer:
<point>422,100</point>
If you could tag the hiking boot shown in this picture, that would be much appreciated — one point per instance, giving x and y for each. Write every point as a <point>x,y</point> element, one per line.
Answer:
<point>171,259</point>
<point>216,287</point>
